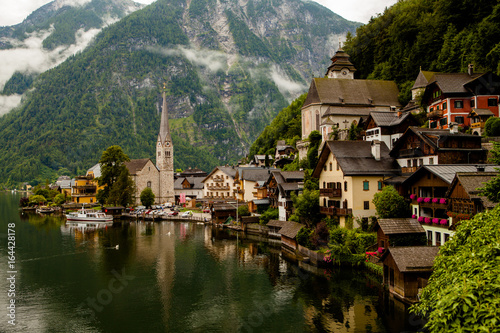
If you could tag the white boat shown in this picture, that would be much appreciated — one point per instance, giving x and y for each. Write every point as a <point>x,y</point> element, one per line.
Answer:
<point>89,216</point>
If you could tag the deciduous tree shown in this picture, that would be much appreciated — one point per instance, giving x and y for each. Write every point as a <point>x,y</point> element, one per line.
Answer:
<point>389,203</point>
<point>147,197</point>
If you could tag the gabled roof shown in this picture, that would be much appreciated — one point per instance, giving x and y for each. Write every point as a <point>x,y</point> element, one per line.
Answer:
<point>346,92</point>
<point>480,112</point>
<point>339,61</point>
<point>388,118</point>
<point>135,166</point>
<point>399,226</point>
<point>228,170</point>
<point>290,229</point>
<point>453,82</point>
<point>432,137</point>
<point>423,79</point>
<point>255,174</point>
<point>96,169</point>
<point>447,171</point>
<point>355,158</point>
<point>275,223</point>
<point>348,111</point>
<point>413,258</point>
<point>470,182</point>
<point>196,183</point>
<point>289,176</point>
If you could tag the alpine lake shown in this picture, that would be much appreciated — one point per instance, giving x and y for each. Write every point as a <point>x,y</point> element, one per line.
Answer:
<point>140,276</point>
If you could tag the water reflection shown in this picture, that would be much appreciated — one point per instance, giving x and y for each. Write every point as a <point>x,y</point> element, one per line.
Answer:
<point>185,277</point>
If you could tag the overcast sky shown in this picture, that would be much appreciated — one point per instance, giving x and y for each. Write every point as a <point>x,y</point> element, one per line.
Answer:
<point>14,11</point>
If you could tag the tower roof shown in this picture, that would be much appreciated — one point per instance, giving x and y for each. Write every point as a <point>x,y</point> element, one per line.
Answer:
<point>164,134</point>
<point>340,60</point>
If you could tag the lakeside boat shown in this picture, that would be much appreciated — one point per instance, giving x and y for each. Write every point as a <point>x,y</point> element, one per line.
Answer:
<point>88,216</point>
<point>45,210</point>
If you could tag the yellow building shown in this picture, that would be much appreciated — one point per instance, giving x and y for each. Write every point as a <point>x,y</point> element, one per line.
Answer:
<point>350,173</point>
<point>84,188</point>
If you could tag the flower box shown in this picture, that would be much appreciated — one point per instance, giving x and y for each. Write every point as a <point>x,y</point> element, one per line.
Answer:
<point>427,200</point>
<point>421,219</point>
<point>419,200</point>
<point>435,200</point>
<point>427,220</point>
<point>414,216</point>
<point>442,201</point>
<point>435,220</point>
<point>443,222</point>
<point>413,196</point>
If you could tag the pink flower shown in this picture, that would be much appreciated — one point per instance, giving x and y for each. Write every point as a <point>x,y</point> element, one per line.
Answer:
<point>443,222</point>
<point>442,201</point>
<point>421,219</point>
<point>412,196</point>
<point>435,200</point>
<point>380,250</point>
<point>414,216</point>
<point>427,200</point>
<point>427,220</point>
<point>419,200</point>
<point>435,220</point>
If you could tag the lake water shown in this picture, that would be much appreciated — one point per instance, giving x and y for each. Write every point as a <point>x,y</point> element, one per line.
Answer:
<point>174,277</point>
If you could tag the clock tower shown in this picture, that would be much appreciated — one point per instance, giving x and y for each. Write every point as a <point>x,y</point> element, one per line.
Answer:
<point>165,157</point>
<point>341,67</point>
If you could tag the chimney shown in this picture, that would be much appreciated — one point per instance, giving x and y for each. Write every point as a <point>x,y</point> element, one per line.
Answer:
<point>376,150</point>
<point>470,69</point>
<point>400,114</point>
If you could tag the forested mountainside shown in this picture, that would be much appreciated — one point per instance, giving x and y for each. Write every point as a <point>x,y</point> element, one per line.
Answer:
<point>51,34</point>
<point>436,35</point>
<point>228,68</point>
<point>442,35</point>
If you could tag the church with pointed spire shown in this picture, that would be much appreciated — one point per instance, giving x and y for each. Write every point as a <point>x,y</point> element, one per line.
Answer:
<point>165,157</point>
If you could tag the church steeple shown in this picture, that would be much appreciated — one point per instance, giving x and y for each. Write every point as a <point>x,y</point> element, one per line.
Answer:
<point>165,156</point>
<point>341,67</point>
<point>164,134</point>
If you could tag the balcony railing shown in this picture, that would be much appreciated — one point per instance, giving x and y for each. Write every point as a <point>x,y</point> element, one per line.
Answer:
<point>217,187</point>
<point>330,192</point>
<point>334,211</point>
<point>408,169</point>
<point>478,125</point>
<point>414,152</point>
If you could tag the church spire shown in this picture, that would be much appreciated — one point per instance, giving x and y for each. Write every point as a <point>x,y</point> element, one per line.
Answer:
<point>341,66</point>
<point>164,134</point>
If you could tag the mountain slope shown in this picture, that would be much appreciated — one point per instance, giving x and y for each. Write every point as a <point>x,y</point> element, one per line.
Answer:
<point>228,69</point>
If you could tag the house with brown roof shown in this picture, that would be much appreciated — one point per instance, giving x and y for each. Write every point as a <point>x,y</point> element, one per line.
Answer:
<point>220,183</point>
<point>463,194</point>
<point>428,188</point>
<point>350,173</point>
<point>289,231</point>
<point>399,232</point>
<point>407,270</point>
<point>387,126</point>
<point>478,118</point>
<point>280,185</point>
<point>144,174</point>
<point>427,146</point>
<point>338,100</point>
<point>451,96</point>
<point>188,187</point>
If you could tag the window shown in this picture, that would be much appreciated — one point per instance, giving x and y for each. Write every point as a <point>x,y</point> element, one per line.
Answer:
<point>380,185</point>
<point>420,162</point>
<point>438,238</point>
<point>331,166</point>
<point>431,160</point>
<point>149,184</point>
<point>492,102</point>
<point>324,168</point>
<point>324,185</point>
<point>434,124</point>
<point>459,119</point>
<point>437,107</point>
<point>345,186</point>
<point>429,236</point>
<point>445,106</point>
<point>443,121</point>
<point>446,237</point>
<point>366,205</point>
<point>472,103</point>
<point>459,104</point>
<point>338,166</point>
<point>159,153</point>
<point>408,163</point>
<point>366,185</point>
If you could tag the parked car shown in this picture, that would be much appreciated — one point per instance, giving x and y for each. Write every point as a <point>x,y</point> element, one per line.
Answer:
<point>206,210</point>
<point>174,213</point>
<point>187,213</point>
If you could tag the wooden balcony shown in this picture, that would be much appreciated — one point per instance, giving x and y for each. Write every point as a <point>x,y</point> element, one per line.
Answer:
<point>218,187</point>
<point>433,205</point>
<point>334,211</point>
<point>414,152</point>
<point>330,192</point>
<point>478,125</point>
<point>437,114</point>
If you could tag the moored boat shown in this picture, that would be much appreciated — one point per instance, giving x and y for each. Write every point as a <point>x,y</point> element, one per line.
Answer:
<point>88,216</point>
<point>45,210</point>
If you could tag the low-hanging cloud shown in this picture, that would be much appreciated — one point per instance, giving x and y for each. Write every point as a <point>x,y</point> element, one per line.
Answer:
<point>7,103</point>
<point>287,87</point>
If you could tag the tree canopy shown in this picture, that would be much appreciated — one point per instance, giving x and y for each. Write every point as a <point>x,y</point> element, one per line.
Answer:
<point>389,204</point>
<point>147,197</point>
<point>462,294</point>
<point>115,177</point>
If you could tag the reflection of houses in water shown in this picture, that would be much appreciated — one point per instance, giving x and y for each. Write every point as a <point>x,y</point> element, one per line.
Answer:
<point>84,233</point>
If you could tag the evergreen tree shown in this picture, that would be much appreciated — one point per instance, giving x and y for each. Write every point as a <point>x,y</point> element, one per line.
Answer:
<point>147,197</point>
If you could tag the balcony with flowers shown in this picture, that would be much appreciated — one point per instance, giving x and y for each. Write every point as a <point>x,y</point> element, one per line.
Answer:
<point>433,221</point>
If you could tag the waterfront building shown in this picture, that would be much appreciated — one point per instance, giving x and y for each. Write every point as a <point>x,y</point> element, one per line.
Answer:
<point>398,231</point>
<point>280,186</point>
<point>165,157</point>
<point>387,126</point>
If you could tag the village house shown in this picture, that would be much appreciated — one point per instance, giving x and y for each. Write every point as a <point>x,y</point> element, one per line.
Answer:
<point>188,187</point>
<point>84,188</point>
<point>338,100</point>
<point>478,118</point>
<point>350,173</point>
<point>284,154</point>
<point>220,183</point>
<point>407,270</point>
<point>250,179</point>
<point>463,194</point>
<point>426,146</point>
<point>144,174</point>
<point>450,97</point>
<point>281,184</point>
<point>399,232</point>
<point>288,232</point>
<point>64,185</point>
<point>427,189</point>
<point>387,126</point>
<point>422,80</point>
<point>260,161</point>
